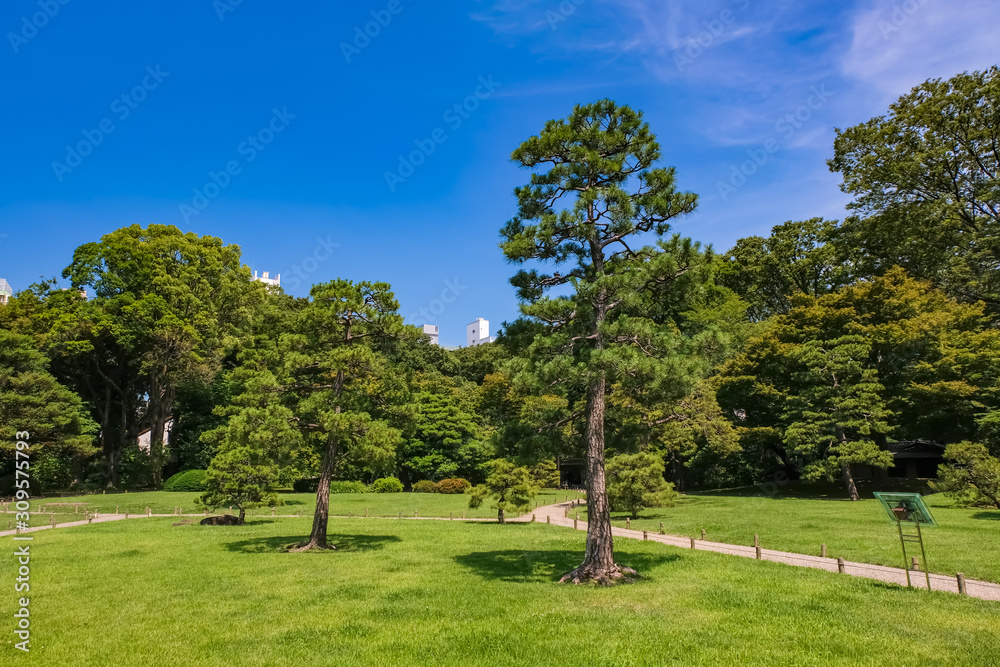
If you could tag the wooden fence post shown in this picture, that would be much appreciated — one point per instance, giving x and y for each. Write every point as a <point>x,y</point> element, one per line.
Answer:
<point>532,518</point>
<point>463,514</point>
<point>400,515</point>
<point>692,543</point>
<point>756,540</point>
<point>645,535</point>
<point>575,520</point>
<point>841,568</point>
<point>661,529</point>
<point>914,564</point>
<point>414,514</point>
<point>149,512</point>
<point>272,511</point>
<point>961,584</point>
<point>757,549</point>
<point>628,523</point>
<point>548,519</point>
<point>52,520</point>
<point>116,508</point>
<point>451,516</point>
<point>822,550</point>
<point>703,533</point>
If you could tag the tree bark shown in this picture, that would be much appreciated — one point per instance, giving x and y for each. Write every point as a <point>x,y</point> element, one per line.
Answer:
<point>317,538</point>
<point>500,516</point>
<point>243,516</point>
<point>599,560</point>
<point>852,489</point>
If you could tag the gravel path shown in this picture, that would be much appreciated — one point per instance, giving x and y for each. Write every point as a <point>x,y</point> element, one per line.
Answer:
<point>557,515</point>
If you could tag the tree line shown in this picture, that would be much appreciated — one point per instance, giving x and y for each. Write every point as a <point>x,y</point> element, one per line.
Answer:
<point>808,351</point>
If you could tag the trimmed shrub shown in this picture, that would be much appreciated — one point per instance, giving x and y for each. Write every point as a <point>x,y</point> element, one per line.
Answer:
<point>188,480</point>
<point>453,485</point>
<point>348,487</point>
<point>425,486</point>
<point>387,485</point>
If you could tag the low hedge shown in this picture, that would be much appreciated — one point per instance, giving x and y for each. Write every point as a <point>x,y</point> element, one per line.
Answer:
<point>425,486</point>
<point>387,485</point>
<point>453,485</point>
<point>311,485</point>
<point>187,480</point>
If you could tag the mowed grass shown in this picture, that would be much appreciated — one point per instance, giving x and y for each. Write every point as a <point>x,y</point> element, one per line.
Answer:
<point>966,540</point>
<point>341,504</point>
<point>464,594</point>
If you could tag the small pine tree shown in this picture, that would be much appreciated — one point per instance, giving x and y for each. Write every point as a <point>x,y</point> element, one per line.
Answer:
<point>512,487</point>
<point>974,476</point>
<point>235,477</point>
<point>546,474</point>
<point>635,482</point>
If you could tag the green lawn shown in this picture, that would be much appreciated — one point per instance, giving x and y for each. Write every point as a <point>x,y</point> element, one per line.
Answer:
<point>451,593</point>
<point>967,540</point>
<point>378,504</point>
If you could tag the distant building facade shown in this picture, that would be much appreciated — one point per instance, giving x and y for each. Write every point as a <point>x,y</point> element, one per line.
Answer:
<point>267,279</point>
<point>6,291</point>
<point>146,440</point>
<point>432,330</point>
<point>478,333</point>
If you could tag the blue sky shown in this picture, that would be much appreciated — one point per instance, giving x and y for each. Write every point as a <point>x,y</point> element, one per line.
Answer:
<point>274,126</point>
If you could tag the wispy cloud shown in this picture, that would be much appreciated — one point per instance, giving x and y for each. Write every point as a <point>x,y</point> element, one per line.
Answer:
<point>897,45</point>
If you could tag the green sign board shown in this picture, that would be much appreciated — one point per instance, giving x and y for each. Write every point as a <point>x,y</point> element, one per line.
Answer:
<point>905,508</point>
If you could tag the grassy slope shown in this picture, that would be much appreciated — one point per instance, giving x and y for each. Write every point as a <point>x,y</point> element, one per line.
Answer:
<point>966,540</point>
<point>379,504</point>
<point>422,593</point>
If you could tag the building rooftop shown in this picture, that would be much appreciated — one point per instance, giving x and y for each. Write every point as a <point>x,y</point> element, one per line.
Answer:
<point>5,288</point>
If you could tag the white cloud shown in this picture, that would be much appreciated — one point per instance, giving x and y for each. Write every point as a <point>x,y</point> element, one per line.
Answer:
<point>898,44</point>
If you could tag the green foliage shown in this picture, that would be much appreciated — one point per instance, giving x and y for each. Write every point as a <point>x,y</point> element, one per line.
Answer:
<point>187,480</point>
<point>425,486</point>
<point>239,477</point>
<point>512,488</point>
<point>635,482</point>
<point>348,487</point>
<point>387,485</point>
<point>797,258</point>
<point>926,176</point>
<point>60,432</point>
<point>546,474</point>
<point>973,479</point>
<point>452,485</point>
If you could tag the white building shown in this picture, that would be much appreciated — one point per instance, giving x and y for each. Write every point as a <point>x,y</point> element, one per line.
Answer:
<point>478,332</point>
<point>432,331</point>
<point>6,291</point>
<point>146,440</point>
<point>267,279</point>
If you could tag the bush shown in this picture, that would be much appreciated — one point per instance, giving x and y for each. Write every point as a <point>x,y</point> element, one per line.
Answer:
<point>453,485</point>
<point>425,486</point>
<point>973,480</point>
<point>387,485</point>
<point>635,482</point>
<point>350,487</point>
<point>188,480</point>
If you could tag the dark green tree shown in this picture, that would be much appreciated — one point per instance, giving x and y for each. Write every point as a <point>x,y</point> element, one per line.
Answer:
<point>239,477</point>
<point>594,196</point>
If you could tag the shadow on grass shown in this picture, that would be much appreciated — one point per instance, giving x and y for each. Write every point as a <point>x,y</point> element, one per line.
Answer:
<point>533,567</point>
<point>988,516</point>
<point>344,543</point>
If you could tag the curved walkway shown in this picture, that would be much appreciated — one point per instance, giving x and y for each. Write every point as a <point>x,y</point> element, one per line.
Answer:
<point>556,515</point>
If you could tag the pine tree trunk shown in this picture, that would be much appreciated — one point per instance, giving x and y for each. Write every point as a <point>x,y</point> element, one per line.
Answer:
<point>317,539</point>
<point>599,561</point>
<point>852,489</point>
<point>243,516</point>
<point>500,516</point>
